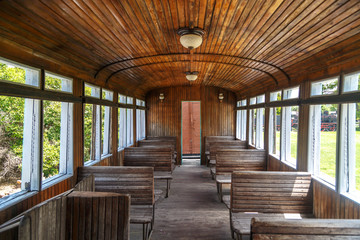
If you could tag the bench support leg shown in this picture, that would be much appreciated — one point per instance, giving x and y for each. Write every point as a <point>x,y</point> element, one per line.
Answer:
<point>167,187</point>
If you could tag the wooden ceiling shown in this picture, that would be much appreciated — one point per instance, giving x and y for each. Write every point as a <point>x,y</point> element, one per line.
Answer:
<point>249,45</point>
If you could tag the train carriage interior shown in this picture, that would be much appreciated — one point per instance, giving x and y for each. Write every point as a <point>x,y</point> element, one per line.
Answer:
<point>180,119</point>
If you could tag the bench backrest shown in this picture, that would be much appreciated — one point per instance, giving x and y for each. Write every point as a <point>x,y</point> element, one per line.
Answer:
<point>229,160</point>
<point>157,143</point>
<point>79,215</point>
<point>46,220</point>
<point>136,181</point>
<point>209,139</point>
<point>158,158</point>
<point>97,215</point>
<point>271,192</point>
<point>171,139</point>
<point>315,229</point>
<point>224,145</point>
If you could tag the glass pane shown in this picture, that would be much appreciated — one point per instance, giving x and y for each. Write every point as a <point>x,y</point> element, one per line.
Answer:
<point>289,134</point>
<point>275,96</point>
<point>260,99</point>
<point>51,138</point>
<point>328,142</point>
<point>57,83</point>
<point>291,93</point>
<point>274,131</point>
<point>129,100</point>
<point>107,95</point>
<point>17,73</point>
<point>122,127</point>
<point>326,87</point>
<point>92,91</point>
<point>243,102</point>
<point>352,82</point>
<point>88,125</point>
<point>253,101</point>
<point>11,143</point>
<point>238,103</point>
<point>122,99</point>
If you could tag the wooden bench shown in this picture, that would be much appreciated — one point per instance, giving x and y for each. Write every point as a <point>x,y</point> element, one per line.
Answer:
<point>223,145</point>
<point>159,143</point>
<point>158,158</point>
<point>270,195</point>
<point>74,215</point>
<point>209,139</point>
<point>136,181</point>
<point>312,229</point>
<point>229,160</point>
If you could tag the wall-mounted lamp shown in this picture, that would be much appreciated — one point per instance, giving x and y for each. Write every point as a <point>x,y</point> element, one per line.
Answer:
<point>161,97</point>
<point>221,97</point>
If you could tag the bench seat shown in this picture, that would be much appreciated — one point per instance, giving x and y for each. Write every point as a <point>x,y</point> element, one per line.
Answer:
<point>241,222</point>
<point>141,214</point>
<point>309,229</point>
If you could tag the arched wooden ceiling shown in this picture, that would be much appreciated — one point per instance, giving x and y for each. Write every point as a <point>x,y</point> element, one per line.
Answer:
<point>133,45</point>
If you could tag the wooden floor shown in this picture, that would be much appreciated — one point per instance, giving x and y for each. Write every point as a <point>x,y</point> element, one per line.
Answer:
<point>192,210</point>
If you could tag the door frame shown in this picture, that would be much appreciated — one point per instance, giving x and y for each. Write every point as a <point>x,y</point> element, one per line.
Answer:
<point>182,129</point>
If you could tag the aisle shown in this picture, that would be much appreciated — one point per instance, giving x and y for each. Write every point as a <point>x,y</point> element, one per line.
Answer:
<point>192,210</point>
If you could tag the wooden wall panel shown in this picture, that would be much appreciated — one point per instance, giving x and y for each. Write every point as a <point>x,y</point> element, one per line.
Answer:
<point>164,118</point>
<point>329,204</point>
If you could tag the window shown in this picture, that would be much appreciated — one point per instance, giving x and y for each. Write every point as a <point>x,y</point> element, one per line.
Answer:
<point>238,103</point>
<point>140,103</point>
<point>122,99</point>
<point>274,131</point>
<point>323,141</point>
<point>252,126</point>
<point>352,82</point>
<point>253,101</point>
<point>289,134</point>
<point>260,99</point>
<point>92,91</point>
<point>129,127</point>
<point>243,102</point>
<point>275,96</point>
<point>241,125</point>
<point>324,87</point>
<point>291,93</point>
<point>105,130</point>
<point>20,136</point>
<point>18,73</point>
<point>126,127</point>
<point>107,95</point>
<point>140,124</point>
<point>129,100</point>
<point>92,133</point>
<point>122,127</point>
<point>57,83</point>
<point>350,149</point>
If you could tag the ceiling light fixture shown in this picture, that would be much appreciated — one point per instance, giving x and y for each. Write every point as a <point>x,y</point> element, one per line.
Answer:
<point>191,76</point>
<point>191,38</point>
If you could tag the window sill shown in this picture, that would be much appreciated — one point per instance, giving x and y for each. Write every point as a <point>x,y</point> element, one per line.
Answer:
<point>324,182</point>
<point>54,180</point>
<point>352,196</point>
<point>274,156</point>
<point>121,149</point>
<point>105,156</point>
<point>91,162</point>
<point>289,164</point>
<point>16,198</point>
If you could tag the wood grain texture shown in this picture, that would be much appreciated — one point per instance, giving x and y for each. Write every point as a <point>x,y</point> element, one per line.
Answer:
<point>164,119</point>
<point>262,229</point>
<point>247,48</point>
<point>271,192</point>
